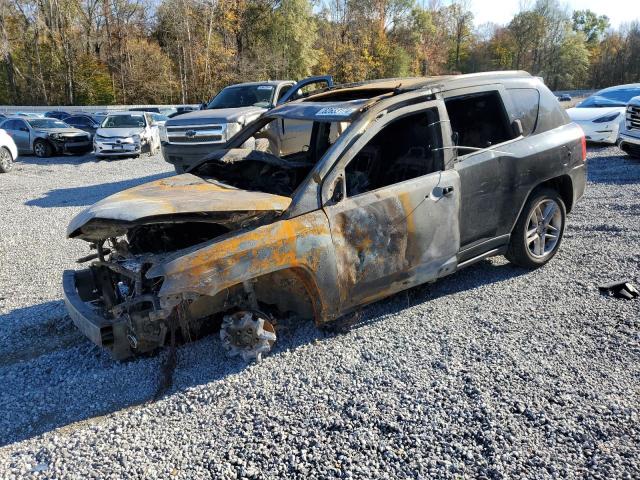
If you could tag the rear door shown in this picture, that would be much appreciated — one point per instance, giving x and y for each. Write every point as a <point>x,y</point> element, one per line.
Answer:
<point>393,206</point>
<point>21,134</point>
<point>482,131</point>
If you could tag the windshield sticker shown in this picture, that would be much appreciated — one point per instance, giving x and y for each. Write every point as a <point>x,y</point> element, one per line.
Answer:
<point>265,87</point>
<point>335,112</point>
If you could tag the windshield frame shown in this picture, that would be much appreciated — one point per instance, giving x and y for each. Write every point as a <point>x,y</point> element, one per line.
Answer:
<point>31,121</point>
<point>225,91</point>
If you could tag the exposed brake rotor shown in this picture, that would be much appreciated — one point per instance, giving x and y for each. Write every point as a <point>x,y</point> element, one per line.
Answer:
<point>247,333</point>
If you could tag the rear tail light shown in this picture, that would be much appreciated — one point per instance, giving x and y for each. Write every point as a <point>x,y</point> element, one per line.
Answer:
<point>584,148</point>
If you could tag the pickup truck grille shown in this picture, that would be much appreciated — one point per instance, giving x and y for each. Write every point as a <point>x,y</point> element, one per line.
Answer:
<point>633,117</point>
<point>196,134</point>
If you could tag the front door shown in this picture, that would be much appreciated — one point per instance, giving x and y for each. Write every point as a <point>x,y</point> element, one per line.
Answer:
<point>306,86</point>
<point>397,225</point>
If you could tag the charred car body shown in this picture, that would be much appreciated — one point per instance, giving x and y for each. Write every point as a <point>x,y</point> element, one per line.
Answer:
<point>395,183</point>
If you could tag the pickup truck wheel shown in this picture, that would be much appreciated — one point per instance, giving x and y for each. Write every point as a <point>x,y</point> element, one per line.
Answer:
<point>248,334</point>
<point>42,148</point>
<point>538,234</point>
<point>6,161</point>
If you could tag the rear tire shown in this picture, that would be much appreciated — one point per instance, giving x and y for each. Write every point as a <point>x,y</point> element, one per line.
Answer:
<point>538,233</point>
<point>6,160</point>
<point>42,149</point>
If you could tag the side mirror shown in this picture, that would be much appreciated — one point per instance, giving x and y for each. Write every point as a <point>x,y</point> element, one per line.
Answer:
<point>24,129</point>
<point>516,128</point>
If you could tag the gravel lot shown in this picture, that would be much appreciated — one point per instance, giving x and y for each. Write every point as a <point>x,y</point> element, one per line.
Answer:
<point>494,372</point>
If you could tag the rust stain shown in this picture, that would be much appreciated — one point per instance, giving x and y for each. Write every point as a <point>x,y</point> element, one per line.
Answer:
<point>302,243</point>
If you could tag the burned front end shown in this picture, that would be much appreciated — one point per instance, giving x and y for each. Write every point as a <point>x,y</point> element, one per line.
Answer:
<point>114,300</point>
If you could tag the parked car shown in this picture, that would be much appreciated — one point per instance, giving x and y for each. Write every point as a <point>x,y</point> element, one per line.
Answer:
<point>629,140</point>
<point>602,114</point>
<point>8,152</point>
<point>188,138</point>
<point>125,134</point>
<point>161,110</point>
<point>59,114</point>
<point>565,97</point>
<point>46,136</point>
<point>159,119</point>
<point>180,109</point>
<point>369,189</point>
<point>27,114</point>
<point>85,121</point>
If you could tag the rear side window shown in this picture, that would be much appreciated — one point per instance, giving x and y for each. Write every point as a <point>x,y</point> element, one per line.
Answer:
<point>526,102</point>
<point>478,120</point>
<point>551,114</point>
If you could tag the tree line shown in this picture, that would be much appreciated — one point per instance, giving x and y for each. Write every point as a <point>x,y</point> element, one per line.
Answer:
<point>82,52</point>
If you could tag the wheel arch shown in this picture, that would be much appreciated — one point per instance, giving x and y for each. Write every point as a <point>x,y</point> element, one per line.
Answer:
<point>44,140</point>
<point>561,184</point>
<point>291,289</point>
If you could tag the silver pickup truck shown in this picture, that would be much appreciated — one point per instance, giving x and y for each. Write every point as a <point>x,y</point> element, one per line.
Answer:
<point>629,139</point>
<point>186,139</point>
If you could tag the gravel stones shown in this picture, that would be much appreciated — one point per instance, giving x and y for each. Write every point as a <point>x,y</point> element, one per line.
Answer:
<point>494,372</point>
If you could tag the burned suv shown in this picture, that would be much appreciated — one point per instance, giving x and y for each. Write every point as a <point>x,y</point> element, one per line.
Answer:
<point>326,204</point>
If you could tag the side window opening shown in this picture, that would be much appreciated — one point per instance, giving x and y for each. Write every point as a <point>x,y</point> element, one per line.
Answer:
<point>526,102</point>
<point>407,148</point>
<point>478,121</point>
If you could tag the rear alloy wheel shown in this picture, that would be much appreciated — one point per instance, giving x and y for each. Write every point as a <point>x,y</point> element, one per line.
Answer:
<point>6,160</point>
<point>538,233</point>
<point>42,149</point>
<point>248,334</point>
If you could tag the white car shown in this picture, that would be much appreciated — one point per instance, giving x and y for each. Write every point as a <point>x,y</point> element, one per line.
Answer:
<point>629,140</point>
<point>602,114</point>
<point>126,134</point>
<point>8,152</point>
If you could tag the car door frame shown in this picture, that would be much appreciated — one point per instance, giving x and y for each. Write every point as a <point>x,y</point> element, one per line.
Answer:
<point>479,180</point>
<point>303,83</point>
<point>432,260</point>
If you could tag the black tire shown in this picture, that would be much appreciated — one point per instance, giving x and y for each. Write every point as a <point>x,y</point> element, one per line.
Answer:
<point>633,152</point>
<point>42,148</point>
<point>533,253</point>
<point>6,160</point>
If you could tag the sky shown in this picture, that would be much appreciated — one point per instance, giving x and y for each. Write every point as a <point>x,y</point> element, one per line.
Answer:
<point>502,11</point>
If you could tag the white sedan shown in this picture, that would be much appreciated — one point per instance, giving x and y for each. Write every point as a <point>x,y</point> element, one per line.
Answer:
<point>601,115</point>
<point>8,152</point>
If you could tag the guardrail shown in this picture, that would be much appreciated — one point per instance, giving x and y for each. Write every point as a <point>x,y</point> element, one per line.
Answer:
<point>79,108</point>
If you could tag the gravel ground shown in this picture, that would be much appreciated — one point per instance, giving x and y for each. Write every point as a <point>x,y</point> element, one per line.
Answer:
<point>494,372</point>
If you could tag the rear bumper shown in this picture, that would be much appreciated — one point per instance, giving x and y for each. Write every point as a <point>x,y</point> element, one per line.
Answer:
<point>183,157</point>
<point>579,181</point>
<point>101,331</point>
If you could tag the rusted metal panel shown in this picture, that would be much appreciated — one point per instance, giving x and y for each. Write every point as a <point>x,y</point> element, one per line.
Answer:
<point>300,243</point>
<point>180,195</point>
<point>393,238</point>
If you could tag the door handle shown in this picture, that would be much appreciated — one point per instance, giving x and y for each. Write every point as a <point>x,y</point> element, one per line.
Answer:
<point>447,191</point>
